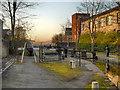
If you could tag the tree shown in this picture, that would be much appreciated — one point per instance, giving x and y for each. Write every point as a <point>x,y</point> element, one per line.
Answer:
<point>14,9</point>
<point>67,24</point>
<point>93,8</point>
<point>58,38</point>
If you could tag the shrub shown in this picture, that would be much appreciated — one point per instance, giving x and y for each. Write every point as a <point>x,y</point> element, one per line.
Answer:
<point>101,40</point>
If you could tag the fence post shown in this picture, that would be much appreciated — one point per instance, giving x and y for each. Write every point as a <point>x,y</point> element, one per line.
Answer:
<point>72,64</point>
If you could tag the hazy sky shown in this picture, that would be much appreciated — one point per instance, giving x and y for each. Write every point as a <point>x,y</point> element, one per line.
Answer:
<point>50,15</point>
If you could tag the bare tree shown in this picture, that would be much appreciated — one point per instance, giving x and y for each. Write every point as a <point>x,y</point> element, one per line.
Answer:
<point>12,10</point>
<point>67,24</point>
<point>15,9</point>
<point>58,38</point>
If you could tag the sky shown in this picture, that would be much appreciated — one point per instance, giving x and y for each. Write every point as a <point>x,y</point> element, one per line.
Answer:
<point>50,16</point>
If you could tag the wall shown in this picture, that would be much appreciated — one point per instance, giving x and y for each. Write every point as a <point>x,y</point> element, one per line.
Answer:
<point>4,44</point>
<point>0,53</point>
<point>68,34</point>
<point>5,48</point>
<point>105,28</point>
<point>1,38</point>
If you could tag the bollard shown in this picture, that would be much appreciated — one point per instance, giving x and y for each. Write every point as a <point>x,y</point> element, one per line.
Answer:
<point>94,55</point>
<point>107,66</point>
<point>107,51</point>
<point>95,85</point>
<point>62,55</point>
<point>72,64</point>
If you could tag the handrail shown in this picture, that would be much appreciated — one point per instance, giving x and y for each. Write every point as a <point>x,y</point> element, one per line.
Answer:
<point>23,52</point>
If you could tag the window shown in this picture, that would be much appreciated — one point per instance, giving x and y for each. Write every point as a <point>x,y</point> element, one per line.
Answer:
<point>77,24</point>
<point>96,24</point>
<point>70,33</point>
<point>78,16</point>
<point>99,23</point>
<point>84,26</point>
<point>70,39</point>
<point>102,22</point>
<point>118,17</point>
<point>109,20</point>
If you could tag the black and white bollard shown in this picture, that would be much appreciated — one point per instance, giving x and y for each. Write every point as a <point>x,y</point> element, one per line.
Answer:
<point>107,50</point>
<point>62,55</point>
<point>72,64</point>
<point>107,66</point>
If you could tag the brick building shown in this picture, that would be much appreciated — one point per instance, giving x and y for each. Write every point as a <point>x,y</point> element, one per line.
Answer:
<point>76,21</point>
<point>105,21</point>
<point>68,35</point>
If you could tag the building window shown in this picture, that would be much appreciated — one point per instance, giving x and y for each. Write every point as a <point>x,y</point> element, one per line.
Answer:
<point>102,22</point>
<point>118,17</point>
<point>89,25</point>
<point>99,23</point>
<point>96,24</point>
<point>70,33</point>
<point>109,20</point>
<point>70,39</point>
<point>84,26</point>
<point>78,16</point>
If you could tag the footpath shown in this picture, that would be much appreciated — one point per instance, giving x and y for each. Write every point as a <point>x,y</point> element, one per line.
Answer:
<point>113,59</point>
<point>29,75</point>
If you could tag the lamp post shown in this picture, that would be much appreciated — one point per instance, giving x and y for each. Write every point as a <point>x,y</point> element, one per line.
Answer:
<point>79,59</point>
<point>118,45</point>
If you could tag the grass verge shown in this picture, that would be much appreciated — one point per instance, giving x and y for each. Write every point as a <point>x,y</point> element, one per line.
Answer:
<point>102,80</point>
<point>62,70</point>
